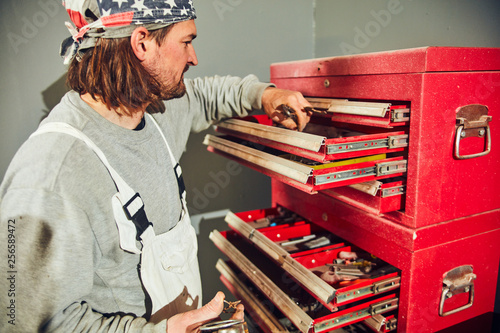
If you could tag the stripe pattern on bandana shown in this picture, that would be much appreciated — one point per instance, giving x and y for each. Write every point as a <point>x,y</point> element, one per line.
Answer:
<point>94,19</point>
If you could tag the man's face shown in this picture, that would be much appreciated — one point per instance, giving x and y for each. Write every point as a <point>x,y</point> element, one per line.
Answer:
<point>172,59</point>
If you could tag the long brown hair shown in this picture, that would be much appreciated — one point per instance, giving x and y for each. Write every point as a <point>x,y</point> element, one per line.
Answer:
<point>112,72</point>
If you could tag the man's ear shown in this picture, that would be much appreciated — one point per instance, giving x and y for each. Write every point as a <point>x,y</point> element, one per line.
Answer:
<point>140,41</point>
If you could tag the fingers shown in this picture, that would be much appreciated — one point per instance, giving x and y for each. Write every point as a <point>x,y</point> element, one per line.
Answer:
<point>273,101</point>
<point>190,321</point>
<point>215,306</point>
<point>298,104</point>
<point>239,314</point>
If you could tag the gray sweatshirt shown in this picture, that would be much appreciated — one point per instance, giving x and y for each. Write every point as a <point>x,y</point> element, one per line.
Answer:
<point>62,268</point>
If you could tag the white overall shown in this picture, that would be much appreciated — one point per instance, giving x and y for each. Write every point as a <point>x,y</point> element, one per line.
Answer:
<point>169,264</point>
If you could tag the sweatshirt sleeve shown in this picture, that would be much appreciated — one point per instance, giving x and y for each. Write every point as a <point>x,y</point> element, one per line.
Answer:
<point>213,99</point>
<point>49,268</point>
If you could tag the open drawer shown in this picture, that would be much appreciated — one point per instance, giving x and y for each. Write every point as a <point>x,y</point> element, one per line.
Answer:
<point>309,176</point>
<point>263,313</point>
<point>379,114</point>
<point>268,313</point>
<point>309,254</point>
<point>320,141</point>
<point>306,312</point>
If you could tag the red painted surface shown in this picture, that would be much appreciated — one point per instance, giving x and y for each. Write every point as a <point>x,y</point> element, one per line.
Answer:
<point>439,187</point>
<point>417,60</point>
<point>423,254</point>
<point>450,214</point>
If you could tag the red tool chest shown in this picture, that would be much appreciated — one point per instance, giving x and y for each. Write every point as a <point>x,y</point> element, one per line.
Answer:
<point>401,162</point>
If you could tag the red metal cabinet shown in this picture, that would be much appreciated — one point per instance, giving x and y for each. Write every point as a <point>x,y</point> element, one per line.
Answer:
<point>436,81</point>
<point>442,227</point>
<point>424,255</point>
<point>451,214</point>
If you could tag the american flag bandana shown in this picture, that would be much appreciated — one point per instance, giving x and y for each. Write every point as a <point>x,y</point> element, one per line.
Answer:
<point>94,19</point>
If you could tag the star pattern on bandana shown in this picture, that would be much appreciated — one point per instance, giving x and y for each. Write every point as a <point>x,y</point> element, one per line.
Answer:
<point>106,12</point>
<point>139,5</point>
<point>146,10</point>
<point>171,3</point>
<point>119,2</point>
<point>115,14</point>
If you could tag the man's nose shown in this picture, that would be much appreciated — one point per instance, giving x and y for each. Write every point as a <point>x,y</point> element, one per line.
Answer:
<point>193,59</point>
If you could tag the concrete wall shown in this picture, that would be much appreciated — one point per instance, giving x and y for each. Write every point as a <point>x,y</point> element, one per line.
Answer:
<point>351,27</point>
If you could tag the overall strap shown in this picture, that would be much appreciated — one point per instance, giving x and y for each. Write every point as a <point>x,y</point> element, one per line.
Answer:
<point>177,167</point>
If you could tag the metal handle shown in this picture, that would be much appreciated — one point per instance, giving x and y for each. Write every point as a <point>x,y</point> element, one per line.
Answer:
<point>457,281</point>
<point>457,144</point>
<point>445,295</point>
<point>472,121</point>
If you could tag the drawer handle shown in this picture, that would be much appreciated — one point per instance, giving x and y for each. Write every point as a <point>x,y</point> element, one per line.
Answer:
<point>460,135</point>
<point>472,121</point>
<point>457,281</point>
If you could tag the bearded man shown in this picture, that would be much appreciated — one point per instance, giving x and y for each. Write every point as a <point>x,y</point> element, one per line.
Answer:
<point>103,240</point>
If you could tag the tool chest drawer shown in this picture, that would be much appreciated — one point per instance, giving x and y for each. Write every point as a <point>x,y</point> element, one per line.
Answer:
<point>269,318</point>
<point>305,174</point>
<point>321,140</point>
<point>308,271</point>
<point>345,143</point>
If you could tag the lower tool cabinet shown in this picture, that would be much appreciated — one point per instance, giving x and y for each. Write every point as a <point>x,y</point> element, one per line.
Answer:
<point>319,281</point>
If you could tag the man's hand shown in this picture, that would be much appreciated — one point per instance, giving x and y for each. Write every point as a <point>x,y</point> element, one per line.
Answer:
<point>273,100</point>
<point>192,320</point>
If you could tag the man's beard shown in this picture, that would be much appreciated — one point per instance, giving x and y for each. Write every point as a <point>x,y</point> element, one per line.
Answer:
<point>174,90</point>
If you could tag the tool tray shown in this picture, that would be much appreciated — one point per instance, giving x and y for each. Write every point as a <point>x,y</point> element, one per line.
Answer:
<point>282,255</point>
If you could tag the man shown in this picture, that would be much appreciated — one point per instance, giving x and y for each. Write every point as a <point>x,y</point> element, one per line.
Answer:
<point>99,238</point>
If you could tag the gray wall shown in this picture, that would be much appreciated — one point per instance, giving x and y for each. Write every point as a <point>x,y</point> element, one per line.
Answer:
<point>351,27</point>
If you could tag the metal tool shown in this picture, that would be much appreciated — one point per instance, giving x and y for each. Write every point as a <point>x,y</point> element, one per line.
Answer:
<point>289,112</point>
<point>225,326</point>
<point>230,305</point>
<point>355,268</point>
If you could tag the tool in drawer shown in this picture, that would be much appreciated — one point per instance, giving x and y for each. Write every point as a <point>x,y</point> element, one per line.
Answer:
<point>398,113</point>
<point>289,112</point>
<point>356,268</point>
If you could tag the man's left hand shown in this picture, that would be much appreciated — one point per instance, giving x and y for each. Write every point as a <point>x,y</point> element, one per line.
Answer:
<point>273,100</point>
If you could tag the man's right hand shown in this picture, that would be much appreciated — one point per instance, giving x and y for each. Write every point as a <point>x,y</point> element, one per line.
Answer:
<point>192,320</point>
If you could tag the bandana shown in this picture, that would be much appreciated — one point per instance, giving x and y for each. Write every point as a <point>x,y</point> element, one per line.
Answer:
<point>94,19</point>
